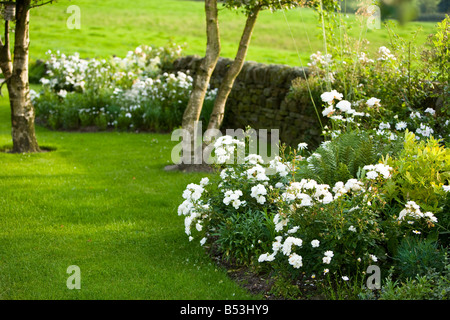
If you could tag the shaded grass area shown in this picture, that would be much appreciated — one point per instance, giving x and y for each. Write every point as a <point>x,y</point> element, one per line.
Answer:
<point>103,202</point>
<point>114,27</point>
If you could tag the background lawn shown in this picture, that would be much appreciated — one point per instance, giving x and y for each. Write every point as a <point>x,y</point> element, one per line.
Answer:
<point>103,202</point>
<point>114,27</point>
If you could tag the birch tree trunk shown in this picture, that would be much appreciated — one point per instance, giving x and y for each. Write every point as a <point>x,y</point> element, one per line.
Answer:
<point>203,74</point>
<point>16,77</point>
<point>226,86</point>
<point>5,54</point>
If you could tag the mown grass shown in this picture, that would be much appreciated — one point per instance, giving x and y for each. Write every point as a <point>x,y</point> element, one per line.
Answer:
<point>114,27</point>
<point>103,202</point>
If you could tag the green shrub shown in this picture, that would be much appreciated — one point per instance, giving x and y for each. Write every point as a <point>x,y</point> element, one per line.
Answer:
<point>241,236</point>
<point>429,287</point>
<point>131,93</point>
<point>421,170</point>
<point>283,287</point>
<point>36,71</point>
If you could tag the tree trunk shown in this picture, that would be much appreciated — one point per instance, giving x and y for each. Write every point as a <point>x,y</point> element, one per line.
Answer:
<point>226,86</point>
<point>203,74</point>
<point>5,54</point>
<point>16,77</point>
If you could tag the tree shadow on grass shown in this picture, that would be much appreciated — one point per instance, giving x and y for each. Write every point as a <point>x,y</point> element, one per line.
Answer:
<point>9,149</point>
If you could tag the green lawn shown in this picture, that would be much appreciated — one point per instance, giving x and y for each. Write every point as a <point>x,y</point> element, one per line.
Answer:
<point>103,202</point>
<point>114,27</point>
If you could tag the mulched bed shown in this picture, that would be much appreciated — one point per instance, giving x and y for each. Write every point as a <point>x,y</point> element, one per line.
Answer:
<point>263,283</point>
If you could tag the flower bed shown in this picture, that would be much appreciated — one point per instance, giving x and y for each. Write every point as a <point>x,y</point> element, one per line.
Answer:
<point>329,215</point>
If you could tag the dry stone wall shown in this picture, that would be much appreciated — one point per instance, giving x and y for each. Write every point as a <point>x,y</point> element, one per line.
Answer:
<point>260,99</point>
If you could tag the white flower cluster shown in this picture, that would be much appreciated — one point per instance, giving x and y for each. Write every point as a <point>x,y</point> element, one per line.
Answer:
<point>362,57</point>
<point>259,192</point>
<point>352,185</point>
<point>252,174</point>
<point>343,106</point>
<point>412,210</point>
<point>193,192</point>
<point>168,86</point>
<point>193,208</point>
<point>75,74</point>
<point>342,111</point>
<point>65,71</point>
<point>256,173</point>
<point>280,221</point>
<point>424,130</point>
<point>431,111</point>
<point>373,102</point>
<point>286,248</point>
<point>327,257</point>
<point>306,192</point>
<point>384,130</point>
<point>302,146</point>
<point>225,148</point>
<point>144,58</point>
<point>329,97</point>
<point>320,60</point>
<point>136,82</point>
<point>233,198</point>
<point>228,174</point>
<point>402,125</point>
<point>385,54</point>
<point>373,171</point>
<point>279,167</point>
<point>413,115</point>
<point>254,159</point>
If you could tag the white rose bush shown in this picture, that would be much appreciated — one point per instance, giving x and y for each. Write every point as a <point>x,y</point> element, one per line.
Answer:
<point>241,190</point>
<point>327,213</point>
<point>299,220</point>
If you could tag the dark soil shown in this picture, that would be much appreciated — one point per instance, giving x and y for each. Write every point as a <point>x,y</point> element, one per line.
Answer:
<point>190,168</point>
<point>265,283</point>
<point>255,283</point>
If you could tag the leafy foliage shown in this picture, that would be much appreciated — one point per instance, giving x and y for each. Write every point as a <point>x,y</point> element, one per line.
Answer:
<point>422,168</point>
<point>432,286</point>
<point>415,257</point>
<point>248,6</point>
<point>241,236</point>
